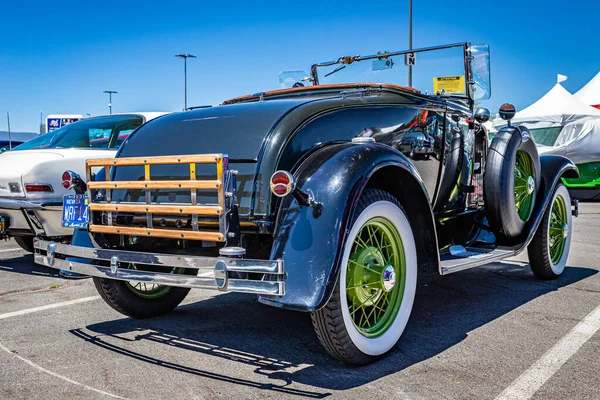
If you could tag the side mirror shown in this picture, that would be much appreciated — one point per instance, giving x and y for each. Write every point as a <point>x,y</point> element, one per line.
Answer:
<point>482,115</point>
<point>507,111</point>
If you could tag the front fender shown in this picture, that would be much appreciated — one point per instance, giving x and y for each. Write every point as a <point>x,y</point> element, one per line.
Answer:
<point>311,244</point>
<point>552,169</point>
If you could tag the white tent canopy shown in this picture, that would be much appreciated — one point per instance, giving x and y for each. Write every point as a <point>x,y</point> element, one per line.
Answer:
<point>558,105</point>
<point>556,108</point>
<point>590,93</point>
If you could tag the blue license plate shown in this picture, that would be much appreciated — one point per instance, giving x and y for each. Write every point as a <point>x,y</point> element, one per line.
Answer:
<point>75,211</point>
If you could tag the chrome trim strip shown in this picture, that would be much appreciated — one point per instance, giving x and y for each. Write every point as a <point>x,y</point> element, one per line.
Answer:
<point>20,204</point>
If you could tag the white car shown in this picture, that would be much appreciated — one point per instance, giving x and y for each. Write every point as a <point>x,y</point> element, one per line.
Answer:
<point>31,190</point>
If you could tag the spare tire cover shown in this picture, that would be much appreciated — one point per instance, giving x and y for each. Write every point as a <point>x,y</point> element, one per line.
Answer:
<point>511,180</point>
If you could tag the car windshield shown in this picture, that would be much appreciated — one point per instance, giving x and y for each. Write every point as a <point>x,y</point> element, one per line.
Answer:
<point>440,70</point>
<point>546,136</point>
<point>96,133</point>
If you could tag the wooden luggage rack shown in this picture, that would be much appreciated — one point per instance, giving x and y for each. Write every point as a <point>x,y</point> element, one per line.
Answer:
<point>193,210</point>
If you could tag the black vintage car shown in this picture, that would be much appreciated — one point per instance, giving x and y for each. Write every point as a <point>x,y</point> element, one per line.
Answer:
<point>299,195</point>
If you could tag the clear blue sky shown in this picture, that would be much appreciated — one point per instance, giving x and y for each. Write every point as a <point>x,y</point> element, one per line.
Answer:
<point>58,56</point>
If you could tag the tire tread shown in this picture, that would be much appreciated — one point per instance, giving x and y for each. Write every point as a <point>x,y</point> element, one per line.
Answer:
<point>122,299</point>
<point>328,322</point>
<point>537,251</point>
<point>25,242</point>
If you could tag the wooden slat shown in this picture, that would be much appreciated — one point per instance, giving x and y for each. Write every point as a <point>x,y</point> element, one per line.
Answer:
<point>221,193</point>
<point>157,209</point>
<point>162,233</point>
<point>155,185</point>
<point>155,160</point>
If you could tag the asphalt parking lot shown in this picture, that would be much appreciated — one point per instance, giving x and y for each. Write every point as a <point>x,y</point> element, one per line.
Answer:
<point>491,332</point>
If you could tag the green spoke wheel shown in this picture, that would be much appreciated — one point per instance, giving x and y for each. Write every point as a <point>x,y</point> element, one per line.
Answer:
<point>376,277</point>
<point>375,291</point>
<point>549,249</point>
<point>558,230</point>
<point>524,185</point>
<point>148,290</point>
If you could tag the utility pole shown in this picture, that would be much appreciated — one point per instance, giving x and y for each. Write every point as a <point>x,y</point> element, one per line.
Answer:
<point>9,139</point>
<point>185,57</point>
<point>110,93</point>
<point>42,125</point>
<point>410,40</point>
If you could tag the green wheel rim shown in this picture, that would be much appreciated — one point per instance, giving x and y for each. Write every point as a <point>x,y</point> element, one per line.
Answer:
<point>147,290</point>
<point>376,251</point>
<point>524,185</point>
<point>558,230</point>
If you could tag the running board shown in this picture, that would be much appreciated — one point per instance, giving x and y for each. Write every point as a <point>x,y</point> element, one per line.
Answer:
<point>476,258</point>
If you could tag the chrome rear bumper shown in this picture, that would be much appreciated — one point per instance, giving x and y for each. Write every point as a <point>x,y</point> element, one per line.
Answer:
<point>222,273</point>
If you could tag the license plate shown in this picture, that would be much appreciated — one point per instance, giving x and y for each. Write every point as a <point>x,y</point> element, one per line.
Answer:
<point>75,211</point>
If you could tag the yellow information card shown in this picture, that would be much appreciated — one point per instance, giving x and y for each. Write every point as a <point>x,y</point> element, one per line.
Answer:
<point>449,84</point>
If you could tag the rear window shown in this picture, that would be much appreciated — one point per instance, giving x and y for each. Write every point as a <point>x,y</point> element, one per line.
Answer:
<point>95,133</point>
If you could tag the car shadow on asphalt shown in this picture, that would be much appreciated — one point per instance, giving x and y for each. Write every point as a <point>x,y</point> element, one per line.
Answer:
<point>282,345</point>
<point>24,264</point>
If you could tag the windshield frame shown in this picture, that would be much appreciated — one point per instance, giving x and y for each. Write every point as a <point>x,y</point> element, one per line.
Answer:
<point>346,60</point>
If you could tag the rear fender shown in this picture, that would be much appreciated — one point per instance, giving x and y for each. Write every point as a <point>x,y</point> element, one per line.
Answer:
<point>553,168</point>
<point>311,243</point>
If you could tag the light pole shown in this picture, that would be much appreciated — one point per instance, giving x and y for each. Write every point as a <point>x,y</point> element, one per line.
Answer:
<point>185,57</point>
<point>110,93</point>
<point>410,40</point>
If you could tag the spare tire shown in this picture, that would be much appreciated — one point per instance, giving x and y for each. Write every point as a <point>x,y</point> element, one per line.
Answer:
<point>511,181</point>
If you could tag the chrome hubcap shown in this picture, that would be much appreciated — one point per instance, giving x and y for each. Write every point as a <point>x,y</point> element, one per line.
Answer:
<point>389,278</point>
<point>530,185</point>
<point>565,230</point>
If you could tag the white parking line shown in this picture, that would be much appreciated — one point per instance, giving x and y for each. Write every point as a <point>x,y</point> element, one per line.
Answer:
<point>525,386</point>
<point>54,374</point>
<point>7,250</point>
<point>47,307</point>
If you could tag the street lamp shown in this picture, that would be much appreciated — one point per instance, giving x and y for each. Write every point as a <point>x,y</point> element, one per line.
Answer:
<point>185,57</point>
<point>410,40</point>
<point>110,93</point>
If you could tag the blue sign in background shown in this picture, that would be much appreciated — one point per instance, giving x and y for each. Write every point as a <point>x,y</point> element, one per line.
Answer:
<point>53,124</point>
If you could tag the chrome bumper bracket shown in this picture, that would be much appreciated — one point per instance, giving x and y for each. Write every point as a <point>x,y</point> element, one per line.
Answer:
<point>51,252</point>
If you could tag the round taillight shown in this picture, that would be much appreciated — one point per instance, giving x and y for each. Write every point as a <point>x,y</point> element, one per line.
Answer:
<point>67,180</point>
<point>282,183</point>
